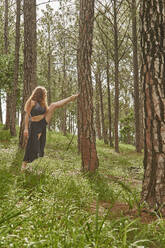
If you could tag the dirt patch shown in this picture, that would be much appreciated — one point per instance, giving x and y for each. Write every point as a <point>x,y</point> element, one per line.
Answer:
<point>118,210</point>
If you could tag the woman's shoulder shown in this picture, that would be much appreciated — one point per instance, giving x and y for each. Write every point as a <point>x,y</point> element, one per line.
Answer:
<point>33,103</point>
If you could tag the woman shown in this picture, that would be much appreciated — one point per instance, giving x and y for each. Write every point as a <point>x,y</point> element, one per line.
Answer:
<point>38,115</point>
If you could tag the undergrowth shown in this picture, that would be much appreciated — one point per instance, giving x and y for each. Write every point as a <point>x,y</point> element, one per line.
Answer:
<point>57,205</point>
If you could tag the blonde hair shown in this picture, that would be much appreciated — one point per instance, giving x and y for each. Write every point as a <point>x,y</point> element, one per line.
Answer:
<point>39,95</point>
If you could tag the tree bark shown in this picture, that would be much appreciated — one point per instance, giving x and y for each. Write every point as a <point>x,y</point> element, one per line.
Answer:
<point>30,57</point>
<point>136,79</point>
<point>49,70</point>
<point>116,120</point>
<point>98,123</point>
<point>153,75</point>
<point>6,28</point>
<point>16,70</point>
<point>78,114</point>
<point>6,50</point>
<point>104,133</point>
<point>87,133</point>
<point>63,121</point>
<point>109,102</point>
<point>0,108</point>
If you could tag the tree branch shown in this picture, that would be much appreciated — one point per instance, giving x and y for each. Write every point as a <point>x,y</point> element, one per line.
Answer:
<point>106,17</point>
<point>50,1</point>
<point>124,52</point>
<point>105,7</point>
<point>105,36</point>
<point>124,36</point>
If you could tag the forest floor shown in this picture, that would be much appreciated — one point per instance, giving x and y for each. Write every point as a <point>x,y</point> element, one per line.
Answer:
<point>55,204</point>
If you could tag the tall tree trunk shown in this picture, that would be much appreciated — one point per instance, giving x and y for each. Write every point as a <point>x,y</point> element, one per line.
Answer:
<point>0,108</point>
<point>78,126</point>
<point>136,79</point>
<point>87,133</point>
<point>116,120</point>
<point>98,123</point>
<point>6,28</point>
<point>64,127</point>
<point>16,69</point>
<point>104,133</point>
<point>141,95</point>
<point>49,70</point>
<point>78,112</point>
<point>8,108</point>
<point>49,82</point>
<point>73,124</point>
<point>153,76</point>
<point>30,57</point>
<point>109,102</point>
<point>69,123</point>
<point>6,50</point>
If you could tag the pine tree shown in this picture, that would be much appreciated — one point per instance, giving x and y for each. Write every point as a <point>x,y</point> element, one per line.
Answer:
<point>153,75</point>
<point>87,133</point>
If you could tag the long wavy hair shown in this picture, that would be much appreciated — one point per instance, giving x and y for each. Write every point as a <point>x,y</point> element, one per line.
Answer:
<point>39,95</point>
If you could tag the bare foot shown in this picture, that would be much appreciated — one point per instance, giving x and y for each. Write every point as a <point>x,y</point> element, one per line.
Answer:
<point>24,166</point>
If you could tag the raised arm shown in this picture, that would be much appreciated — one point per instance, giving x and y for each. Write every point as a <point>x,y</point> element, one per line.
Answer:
<point>58,104</point>
<point>61,103</point>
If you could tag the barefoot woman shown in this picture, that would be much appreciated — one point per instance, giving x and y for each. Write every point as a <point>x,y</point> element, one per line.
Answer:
<point>39,114</point>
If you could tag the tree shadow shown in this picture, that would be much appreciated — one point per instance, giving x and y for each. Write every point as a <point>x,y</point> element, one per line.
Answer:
<point>17,161</point>
<point>32,181</point>
<point>100,185</point>
<point>27,179</point>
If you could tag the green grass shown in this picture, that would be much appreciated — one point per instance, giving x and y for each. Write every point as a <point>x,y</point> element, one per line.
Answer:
<point>57,205</point>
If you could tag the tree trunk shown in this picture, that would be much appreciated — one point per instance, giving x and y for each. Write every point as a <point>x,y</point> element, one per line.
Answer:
<point>6,50</point>
<point>78,126</point>
<point>49,82</point>
<point>49,71</point>
<point>153,76</point>
<point>6,28</point>
<point>109,102</point>
<point>64,127</point>
<point>104,133</point>
<point>142,115</point>
<point>69,123</point>
<point>73,124</point>
<point>8,108</point>
<point>16,70</point>
<point>78,111</point>
<point>0,108</point>
<point>87,133</point>
<point>98,123</point>
<point>116,120</point>
<point>30,57</point>
<point>136,79</point>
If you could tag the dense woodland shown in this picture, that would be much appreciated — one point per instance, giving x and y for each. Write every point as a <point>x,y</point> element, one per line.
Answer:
<point>111,52</point>
<point>114,64</point>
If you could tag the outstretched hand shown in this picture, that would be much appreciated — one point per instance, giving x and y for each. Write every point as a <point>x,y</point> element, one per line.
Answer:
<point>73,97</point>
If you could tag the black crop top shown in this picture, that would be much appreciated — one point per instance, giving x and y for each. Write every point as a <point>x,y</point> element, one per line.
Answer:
<point>37,110</point>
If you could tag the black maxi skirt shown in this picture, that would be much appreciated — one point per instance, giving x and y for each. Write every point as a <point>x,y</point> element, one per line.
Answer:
<point>35,146</point>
